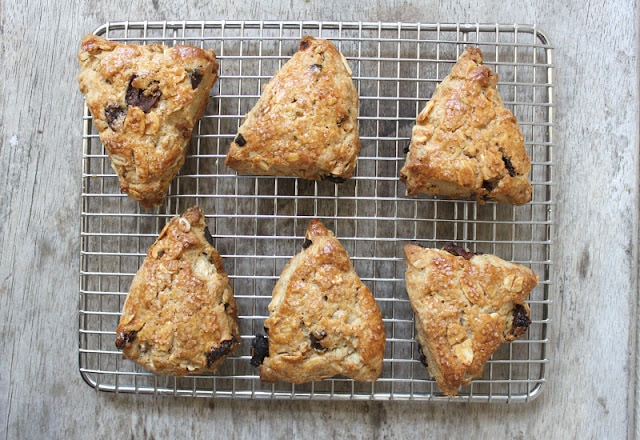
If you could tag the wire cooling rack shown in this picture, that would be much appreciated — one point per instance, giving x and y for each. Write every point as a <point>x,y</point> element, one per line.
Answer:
<point>258,223</point>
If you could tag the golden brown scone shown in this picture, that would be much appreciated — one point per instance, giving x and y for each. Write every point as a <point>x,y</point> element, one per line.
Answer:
<point>465,306</point>
<point>323,321</point>
<point>180,316</point>
<point>145,101</point>
<point>305,123</point>
<point>465,143</point>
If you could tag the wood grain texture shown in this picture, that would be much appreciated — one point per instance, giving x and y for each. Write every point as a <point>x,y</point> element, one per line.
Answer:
<point>592,374</point>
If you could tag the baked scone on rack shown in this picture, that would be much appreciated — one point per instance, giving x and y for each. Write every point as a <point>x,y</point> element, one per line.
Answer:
<point>466,143</point>
<point>323,321</point>
<point>180,315</point>
<point>465,306</point>
<point>305,122</point>
<point>145,101</point>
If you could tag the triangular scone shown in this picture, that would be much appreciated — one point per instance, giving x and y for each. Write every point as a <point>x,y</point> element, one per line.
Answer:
<point>465,306</point>
<point>466,143</point>
<point>145,101</point>
<point>305,123</point>
<point>323,320</point>
<point>180,316</point>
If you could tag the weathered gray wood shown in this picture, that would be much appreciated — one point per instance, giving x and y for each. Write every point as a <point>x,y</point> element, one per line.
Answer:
<point>592,374</point>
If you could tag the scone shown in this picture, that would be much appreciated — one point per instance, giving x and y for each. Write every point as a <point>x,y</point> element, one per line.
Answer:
<point>145,101</point>
<point>466,143</point>
<point>180,316</point>
<point>323,321</point>
<point>465,306</point>
<point>305,123</point>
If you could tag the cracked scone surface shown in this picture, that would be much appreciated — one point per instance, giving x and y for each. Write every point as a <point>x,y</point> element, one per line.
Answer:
<point>305,122</point>
<point>465,306</point>
<point>466,143</point>
<point>323,320</point>
<point>180,316</point>
<point>145,101</point>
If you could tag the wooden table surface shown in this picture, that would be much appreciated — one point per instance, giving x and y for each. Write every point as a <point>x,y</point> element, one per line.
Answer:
<point>592,373</point>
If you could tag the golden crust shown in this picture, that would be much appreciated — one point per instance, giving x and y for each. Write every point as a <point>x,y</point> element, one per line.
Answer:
<point>145,101</point>
<point>305,123</point>
<point>323,320</point>
<point>464,309</point>
<point>465,143</point>
<point>180,316</point>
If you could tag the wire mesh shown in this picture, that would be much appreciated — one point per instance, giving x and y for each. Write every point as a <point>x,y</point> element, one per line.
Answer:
<point>258,223</point>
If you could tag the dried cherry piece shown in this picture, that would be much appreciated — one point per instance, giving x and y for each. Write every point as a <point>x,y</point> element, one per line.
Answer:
<point>143,98</point>
<point>208,236</point>
<point>259,350</point>
<point>335,179</point>
<point>123,338</point>
<point>114,115</point>
<point>521,319</point>
<point>216,353</point>
<point>240,140</point>
<point>489,185</point>
<point>508,165</point>
<point>304,44</point>
<point>458,251</point>
<point>196,78</point>
<point>422,356</point>
<point>315,338</point>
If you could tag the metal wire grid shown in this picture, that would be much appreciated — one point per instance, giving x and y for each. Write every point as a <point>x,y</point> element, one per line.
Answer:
<point>258,223</point>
